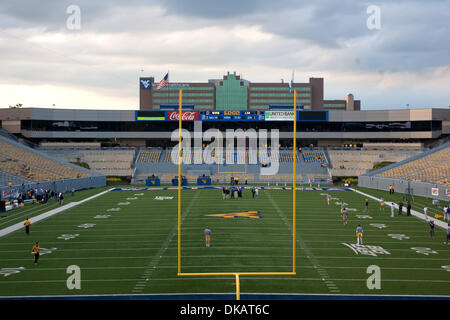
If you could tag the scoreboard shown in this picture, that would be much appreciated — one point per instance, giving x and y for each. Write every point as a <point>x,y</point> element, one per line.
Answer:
<point>232,115</point>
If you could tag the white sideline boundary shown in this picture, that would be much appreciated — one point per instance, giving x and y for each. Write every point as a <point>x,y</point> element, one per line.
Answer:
<point>19,225</point>
<point>414,213</point>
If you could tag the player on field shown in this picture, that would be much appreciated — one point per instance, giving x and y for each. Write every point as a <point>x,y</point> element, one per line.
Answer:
<point>207,236</point>
<point>328,199</point>
<point>431,223</point>
<point>382,204</point>
<point>448,232</point>
<point>27,226</point>
<point>392,209</point>
<point>344,216</point>
<point>35,250</point>
<point>408,208</point>
<point>400,208</point>
<point>367,205</point>
<point>359,235</point>
<point>425,213</point>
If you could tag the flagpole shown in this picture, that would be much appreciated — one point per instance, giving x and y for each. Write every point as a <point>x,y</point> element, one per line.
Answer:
<point>168,87</point>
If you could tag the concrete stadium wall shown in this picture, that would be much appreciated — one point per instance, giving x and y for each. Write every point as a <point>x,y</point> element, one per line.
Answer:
<point>416,188</point>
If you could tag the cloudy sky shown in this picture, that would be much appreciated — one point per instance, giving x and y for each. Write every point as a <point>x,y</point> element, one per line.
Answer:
<point>388,57</point>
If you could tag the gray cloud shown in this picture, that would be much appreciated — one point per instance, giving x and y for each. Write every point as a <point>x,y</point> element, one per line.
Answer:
<point>201,37</point>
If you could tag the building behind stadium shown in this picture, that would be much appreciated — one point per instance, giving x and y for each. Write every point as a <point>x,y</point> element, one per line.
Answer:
<point>231,103</point>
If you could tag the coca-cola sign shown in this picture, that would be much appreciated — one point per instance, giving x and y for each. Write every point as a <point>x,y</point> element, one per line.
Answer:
<point>187,115</point>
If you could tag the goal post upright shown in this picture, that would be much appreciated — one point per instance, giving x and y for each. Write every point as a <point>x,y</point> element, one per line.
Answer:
<point>294,177</point>
<point>180,92</point>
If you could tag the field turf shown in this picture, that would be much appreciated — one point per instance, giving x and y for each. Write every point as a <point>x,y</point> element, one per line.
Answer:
<point>125,242</point>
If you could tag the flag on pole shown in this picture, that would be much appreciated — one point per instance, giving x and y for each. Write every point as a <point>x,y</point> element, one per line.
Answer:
<point>291,84</point>
<point>164,81</point>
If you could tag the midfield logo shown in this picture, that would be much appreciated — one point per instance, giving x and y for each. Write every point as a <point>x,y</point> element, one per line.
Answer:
<point>245,214</point>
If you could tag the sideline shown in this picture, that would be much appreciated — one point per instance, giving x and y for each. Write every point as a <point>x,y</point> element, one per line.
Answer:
<point>414,213</point>
<point>19,225</point>
<point>244,187</point>
<point>231,296</point>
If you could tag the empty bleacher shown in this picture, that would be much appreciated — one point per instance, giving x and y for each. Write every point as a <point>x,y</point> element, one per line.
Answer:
<point>160,164</point>
<point>355,162</point>
<point>106,161</point>
<point>432,166</point>
<point>314,156</point>
<point>149,155</point>
<point>6,178</point>
<point>27,165</point>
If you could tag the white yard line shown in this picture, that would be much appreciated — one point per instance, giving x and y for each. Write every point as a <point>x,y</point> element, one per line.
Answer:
<point>142,283</point>
<point>315,263</point>
<point>18,226</point>
<point>262,257</point>
<point>414,213</point>
<point>221,277</point>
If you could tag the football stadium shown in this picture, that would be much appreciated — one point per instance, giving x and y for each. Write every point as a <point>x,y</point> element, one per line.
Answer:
<point>226,189</point>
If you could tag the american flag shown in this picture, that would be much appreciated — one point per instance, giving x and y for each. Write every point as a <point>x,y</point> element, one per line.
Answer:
<point>164,81</point>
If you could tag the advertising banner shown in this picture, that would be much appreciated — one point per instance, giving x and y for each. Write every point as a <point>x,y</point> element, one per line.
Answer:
<point>187,115</point>
<point>281,115</point>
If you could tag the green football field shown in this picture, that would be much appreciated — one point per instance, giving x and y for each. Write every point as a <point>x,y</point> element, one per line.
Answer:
<point>125,242</point>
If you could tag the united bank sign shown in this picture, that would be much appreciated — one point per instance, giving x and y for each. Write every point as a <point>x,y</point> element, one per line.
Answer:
<point>279,115</point>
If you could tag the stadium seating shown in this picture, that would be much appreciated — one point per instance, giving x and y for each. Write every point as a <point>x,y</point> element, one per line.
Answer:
<point>433,167</point>
<point>149,156</point>
<point>315,156</point>
<point>106,161</point>
<point>160,163</point>
<point>28,165</point>
<point>355,162</point>
<point>6,178</point>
